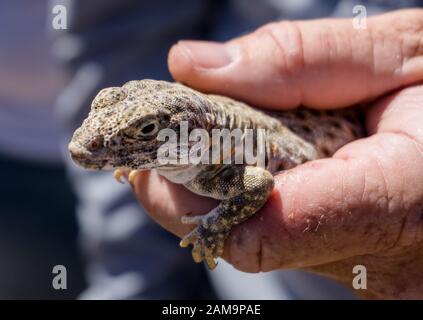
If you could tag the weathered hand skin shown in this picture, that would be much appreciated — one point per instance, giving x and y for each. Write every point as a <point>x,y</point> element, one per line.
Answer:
<point>121,132</point>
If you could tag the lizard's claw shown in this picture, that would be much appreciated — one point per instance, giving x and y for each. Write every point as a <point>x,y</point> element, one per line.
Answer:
<point>119,173</point>
<point>132,175</point>
<point>207,244</point>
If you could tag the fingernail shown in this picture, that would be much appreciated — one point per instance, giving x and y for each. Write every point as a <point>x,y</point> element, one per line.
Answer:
<point>205,54</point>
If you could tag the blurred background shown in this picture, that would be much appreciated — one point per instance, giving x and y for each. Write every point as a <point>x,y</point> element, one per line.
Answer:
<point>51,212</point>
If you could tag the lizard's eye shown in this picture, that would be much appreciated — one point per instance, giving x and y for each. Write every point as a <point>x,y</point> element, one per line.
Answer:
<point>148,129</point>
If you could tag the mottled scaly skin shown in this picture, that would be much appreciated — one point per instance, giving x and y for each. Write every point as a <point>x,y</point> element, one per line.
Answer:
<point>121,132</point>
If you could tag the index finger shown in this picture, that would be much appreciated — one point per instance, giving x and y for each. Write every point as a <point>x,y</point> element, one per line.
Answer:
<point>323,63</point>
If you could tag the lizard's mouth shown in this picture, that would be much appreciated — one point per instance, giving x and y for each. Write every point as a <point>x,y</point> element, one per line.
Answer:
<point>87,159</point>
<point>102,159</point>
<point>82,161</point>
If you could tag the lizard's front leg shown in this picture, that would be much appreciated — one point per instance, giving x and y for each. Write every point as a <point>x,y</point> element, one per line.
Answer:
<point>243,191</point>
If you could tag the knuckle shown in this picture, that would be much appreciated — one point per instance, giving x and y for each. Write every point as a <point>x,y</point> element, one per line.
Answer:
<point>285,42</point>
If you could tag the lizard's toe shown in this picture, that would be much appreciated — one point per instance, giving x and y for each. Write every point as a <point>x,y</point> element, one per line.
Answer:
<point>209,257</point>
<point>119,174</point>
<point>196,252</point>
<point>190,238</point>
<point>220,245</point>
<point>207,245</point>
<point>132,176</point>
<point>192,220</point>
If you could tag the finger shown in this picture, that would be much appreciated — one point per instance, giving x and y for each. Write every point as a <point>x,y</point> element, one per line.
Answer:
<point>320,63</point>
<point>367,199</point>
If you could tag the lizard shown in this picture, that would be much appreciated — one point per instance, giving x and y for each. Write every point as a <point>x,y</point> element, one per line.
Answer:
<point>121,132</point>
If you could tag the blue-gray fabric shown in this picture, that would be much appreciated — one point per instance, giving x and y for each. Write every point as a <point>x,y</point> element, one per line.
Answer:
<point>27,128</point>
<point>110,42</point>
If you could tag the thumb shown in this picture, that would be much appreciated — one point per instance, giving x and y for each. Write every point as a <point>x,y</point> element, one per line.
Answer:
<point>319,63</point>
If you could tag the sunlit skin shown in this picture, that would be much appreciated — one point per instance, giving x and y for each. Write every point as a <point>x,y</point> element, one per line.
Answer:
<point>362,206</point>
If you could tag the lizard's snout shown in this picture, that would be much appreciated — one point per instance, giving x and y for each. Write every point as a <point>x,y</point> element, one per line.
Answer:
<point>77,152</point>
<point>89,157</point>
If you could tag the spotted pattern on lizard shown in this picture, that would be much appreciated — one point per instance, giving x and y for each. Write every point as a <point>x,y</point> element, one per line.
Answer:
<point>121,132</point>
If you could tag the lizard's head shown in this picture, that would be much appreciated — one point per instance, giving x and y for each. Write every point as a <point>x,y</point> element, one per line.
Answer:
<point>122,127</point>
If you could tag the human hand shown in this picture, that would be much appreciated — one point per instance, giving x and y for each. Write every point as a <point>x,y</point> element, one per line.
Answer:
<point>363,206</point>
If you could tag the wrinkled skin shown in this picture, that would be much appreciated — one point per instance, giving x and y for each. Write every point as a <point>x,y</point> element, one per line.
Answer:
<point>362,206</point>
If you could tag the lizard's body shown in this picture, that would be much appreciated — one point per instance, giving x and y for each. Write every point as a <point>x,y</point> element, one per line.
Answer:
<point>121,132</point>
